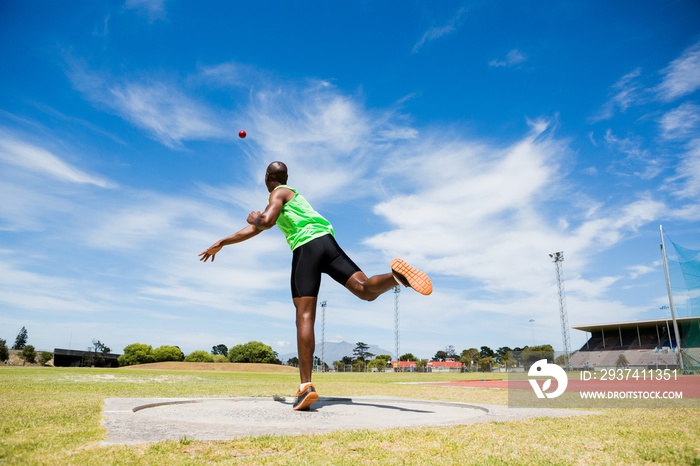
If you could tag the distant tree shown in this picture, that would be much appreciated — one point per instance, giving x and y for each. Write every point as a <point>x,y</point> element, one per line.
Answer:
<point>4,352</point>
<point>199,356</point>
<point>486,352</point>
<point>469,356</point>
<point>622,361</point>
<point>450,351</point>
<point>21,340</point>
<point>440,356</point>
<point>167,353</point>
<point>560,360</point>
<point>517,356</point>
<point>361,352</point>
<point>507,360</point>
<point>253,352</point>
<point>294,362</point>
<point>28,354</point>
<point>421,365</point>
<point>45,357</point>
<point>378,363</point>
<point>408,357</point>
<point>532,354</point>
<point>220,349</point>
<point>502,352</point>
<point>358,365</point>
<point>100,347</point>
<point>318,363</point>
<point>486,363</point>
<point>136,353</point>
<point>97,351</point>
<point>343,363</point>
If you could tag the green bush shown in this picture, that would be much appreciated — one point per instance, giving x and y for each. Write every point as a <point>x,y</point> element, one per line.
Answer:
<point>45,357</point>
<point>136,353</point>
<point>28,354</point>
<point>167,353</point>
<point>253,351</point>
<point>4,352</point>
<point>199,356</point>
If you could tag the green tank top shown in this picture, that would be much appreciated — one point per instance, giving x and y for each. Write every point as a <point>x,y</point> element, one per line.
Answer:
<point>300,223</point>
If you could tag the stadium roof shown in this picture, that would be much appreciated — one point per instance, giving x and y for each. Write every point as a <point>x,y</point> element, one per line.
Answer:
<point>632,324</point>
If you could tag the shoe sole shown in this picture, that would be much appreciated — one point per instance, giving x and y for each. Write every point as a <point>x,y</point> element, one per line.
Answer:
<point>310,399</point>
<point>411,276</point>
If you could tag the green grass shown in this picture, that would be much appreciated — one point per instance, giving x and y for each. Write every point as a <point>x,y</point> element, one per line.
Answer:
<point>53,416</point>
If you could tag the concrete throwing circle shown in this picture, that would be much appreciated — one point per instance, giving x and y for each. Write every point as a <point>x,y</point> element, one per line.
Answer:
<point>135,420</point>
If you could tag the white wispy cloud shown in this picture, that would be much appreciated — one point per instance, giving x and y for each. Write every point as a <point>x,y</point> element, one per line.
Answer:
<point>160,108</point>
<point>230,75</point>
<point>686,183</point>
<point>164,111</point>
<point>639,270</point>
<point>437,32</point>
<point>638,161</point>
<point>14,151</point>
<point>682,122</point>
<point>626,92</point>
<point>328,139</point>
<point>512,58</point>
<point>471,211</point>
<point>29,290</point>
<point>682,76</point>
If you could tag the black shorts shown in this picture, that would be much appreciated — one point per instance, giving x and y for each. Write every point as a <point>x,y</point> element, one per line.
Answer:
<point>310,260</point>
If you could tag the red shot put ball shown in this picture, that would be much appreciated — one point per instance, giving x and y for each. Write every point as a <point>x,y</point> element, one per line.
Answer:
<point>242,134</point>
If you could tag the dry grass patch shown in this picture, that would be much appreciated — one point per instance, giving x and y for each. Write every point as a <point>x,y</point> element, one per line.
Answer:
<point>214,366</point>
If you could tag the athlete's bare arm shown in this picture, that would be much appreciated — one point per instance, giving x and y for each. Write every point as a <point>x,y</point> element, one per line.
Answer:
<point>241,235</point>
<point>257,222</point>
<point>269,216</point>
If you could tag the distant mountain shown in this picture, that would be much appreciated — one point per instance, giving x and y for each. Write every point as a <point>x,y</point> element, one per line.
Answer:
<point>335,352</point>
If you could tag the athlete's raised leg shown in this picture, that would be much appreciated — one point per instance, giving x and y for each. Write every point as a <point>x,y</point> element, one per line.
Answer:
<point>371,288</point>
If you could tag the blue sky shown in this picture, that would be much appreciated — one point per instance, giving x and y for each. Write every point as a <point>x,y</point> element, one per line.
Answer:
<point>471,138</point>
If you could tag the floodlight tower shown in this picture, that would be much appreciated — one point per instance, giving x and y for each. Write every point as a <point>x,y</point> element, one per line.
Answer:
<point>397,290</point>
<point>323,334</point>
<point>558,258</point>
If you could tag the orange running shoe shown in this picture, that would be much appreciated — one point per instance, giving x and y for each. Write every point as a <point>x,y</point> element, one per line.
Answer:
<point>411,277</point>
<point>305,399</point>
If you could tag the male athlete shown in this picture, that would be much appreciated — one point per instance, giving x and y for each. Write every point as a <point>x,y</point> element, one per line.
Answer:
<point>315,251</point>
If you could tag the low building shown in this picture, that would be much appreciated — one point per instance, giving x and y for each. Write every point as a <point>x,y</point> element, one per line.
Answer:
<point>448,365</point>
<point>76,358</point>
<point>404,366</point>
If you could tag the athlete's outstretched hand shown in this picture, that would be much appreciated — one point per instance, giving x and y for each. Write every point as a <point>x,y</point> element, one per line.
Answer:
<point>210,252</point>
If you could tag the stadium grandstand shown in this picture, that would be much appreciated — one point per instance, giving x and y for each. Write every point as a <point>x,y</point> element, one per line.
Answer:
<point>662,343</point>
<point>649,344</point>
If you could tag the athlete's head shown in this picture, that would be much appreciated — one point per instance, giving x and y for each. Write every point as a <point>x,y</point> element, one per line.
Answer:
<point>275,175</point>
